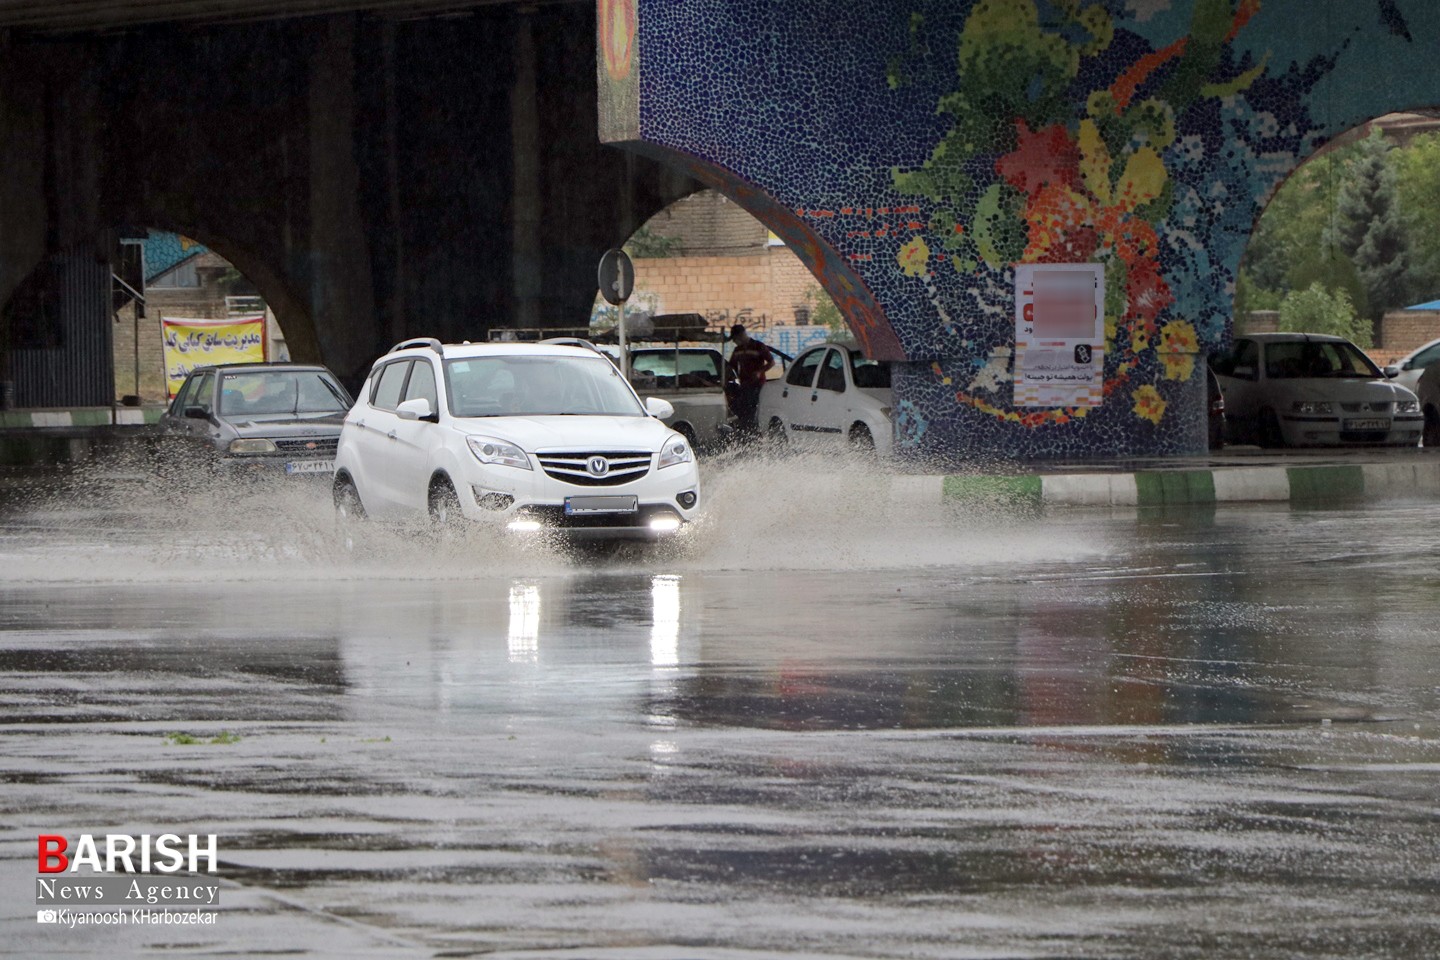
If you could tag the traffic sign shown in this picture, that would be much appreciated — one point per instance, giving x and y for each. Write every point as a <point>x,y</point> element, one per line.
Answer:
<point>617,277</point>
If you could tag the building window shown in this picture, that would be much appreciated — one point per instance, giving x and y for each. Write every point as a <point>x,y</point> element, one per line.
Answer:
<point>182,275</point>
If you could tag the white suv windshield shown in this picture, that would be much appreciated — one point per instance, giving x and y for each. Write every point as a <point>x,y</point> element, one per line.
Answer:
<point>538,386</point>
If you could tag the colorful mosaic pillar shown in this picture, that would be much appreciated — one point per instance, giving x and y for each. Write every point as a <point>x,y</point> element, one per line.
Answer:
<point>931,160</point>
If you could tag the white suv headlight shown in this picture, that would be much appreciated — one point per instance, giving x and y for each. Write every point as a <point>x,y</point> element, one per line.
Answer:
<point>676,450</point>
<point>1407,406</point>
<point>1314,406</point>
<point>490,450</point>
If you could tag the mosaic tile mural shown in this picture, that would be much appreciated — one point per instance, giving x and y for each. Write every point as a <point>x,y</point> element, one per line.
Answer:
<point>166,251</point>
<point>914,152</point>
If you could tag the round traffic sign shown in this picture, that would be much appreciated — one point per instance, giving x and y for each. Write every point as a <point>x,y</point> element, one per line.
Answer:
<point>617,276</point>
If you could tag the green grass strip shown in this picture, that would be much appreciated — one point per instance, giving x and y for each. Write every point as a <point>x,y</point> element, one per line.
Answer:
<point>993,489</point>
<point>1167,488</point>
<point>1325,483</point>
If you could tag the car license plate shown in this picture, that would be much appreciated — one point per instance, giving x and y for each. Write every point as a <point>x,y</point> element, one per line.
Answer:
<point>584,506</point>
<point>1367,424</point>
<point>310,466</point>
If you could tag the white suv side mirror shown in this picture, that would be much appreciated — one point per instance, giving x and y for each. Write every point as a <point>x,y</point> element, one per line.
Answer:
<point>417,409</point>
<point>659,409</point>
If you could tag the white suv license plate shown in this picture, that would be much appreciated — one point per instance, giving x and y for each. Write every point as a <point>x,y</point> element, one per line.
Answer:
<point>310,466</point>
<point>1351,425</point>
<point>585,506</point>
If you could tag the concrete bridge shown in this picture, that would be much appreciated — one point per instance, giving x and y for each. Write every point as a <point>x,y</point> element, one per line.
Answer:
<point>1036,207</point>
<point>378,170</point>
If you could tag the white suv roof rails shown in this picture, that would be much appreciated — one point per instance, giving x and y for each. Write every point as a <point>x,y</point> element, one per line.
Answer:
<point>573,342</point>
<point>430,342</point>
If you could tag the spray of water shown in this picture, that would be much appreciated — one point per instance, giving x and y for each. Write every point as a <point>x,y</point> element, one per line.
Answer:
<point>130,517</point>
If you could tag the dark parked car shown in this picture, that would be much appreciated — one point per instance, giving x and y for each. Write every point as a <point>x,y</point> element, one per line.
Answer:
<point>280,417</point>
<point>1217,410</point>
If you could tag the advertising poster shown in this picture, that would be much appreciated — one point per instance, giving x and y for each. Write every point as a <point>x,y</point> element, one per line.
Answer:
<point>1059,334</point>
<point>200,343</point>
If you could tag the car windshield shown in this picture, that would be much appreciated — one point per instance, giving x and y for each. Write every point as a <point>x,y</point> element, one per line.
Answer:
<point>697,368</point>
<point>1317,358</point>
<point>250,393</point>
<point>870,374</point>
<point>532,386</point>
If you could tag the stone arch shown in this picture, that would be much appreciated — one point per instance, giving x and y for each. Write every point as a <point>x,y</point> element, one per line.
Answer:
<point>862,312</point>
<point>290,308</point>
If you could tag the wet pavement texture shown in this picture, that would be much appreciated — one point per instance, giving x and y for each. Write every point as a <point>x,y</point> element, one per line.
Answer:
<point>817,728</point>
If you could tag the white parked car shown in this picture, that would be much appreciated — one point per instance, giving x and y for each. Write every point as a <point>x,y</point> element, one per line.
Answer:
<point>1309,390</point>
<point>830,397</point>
<point>525,436</point>
<point>1408,369</point>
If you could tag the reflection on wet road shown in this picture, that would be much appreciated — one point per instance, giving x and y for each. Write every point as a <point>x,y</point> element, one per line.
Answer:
<point>1189,735</point>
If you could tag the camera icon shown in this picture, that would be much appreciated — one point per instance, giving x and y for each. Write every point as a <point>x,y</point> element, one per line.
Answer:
<point>47,916</point>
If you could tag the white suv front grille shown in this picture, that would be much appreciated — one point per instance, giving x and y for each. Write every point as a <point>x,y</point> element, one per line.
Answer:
<point>602,469</point>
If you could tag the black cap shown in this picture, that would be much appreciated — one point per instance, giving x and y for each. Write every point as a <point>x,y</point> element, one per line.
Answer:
<point>736,330</point>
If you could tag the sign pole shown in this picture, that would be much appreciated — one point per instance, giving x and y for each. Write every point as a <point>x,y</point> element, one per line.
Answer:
<point>617,282</point>
<point>624,353</point>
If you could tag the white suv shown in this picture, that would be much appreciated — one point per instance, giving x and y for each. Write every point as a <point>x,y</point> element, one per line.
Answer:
<point>527,436</point>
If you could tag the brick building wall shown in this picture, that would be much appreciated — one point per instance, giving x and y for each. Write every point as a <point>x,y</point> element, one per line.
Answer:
<point>709,224</point>
<point>724,266</point>
<point>771,283</point>
<point>1402,331</point>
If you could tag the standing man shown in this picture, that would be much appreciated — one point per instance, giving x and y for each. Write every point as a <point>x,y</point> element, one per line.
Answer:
<point>749,362</point>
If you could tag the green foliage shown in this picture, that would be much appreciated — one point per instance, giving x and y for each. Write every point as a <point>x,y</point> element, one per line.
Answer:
<point>233,283</point>
<point>1334,271</point>
<point>646,244</point>
<point>1417,191</point>
<point>824,313</point>
<point>1368,227</point>
<point>1317,310</point>
<point>1250,297</point>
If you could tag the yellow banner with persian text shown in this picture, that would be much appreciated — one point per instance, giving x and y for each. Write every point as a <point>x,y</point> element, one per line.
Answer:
<point>203,343</point>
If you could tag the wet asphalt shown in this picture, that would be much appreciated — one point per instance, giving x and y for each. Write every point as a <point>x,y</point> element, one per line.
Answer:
<point>818,728</point>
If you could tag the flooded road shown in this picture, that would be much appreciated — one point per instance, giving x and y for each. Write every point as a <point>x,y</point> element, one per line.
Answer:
<point>822,727</point>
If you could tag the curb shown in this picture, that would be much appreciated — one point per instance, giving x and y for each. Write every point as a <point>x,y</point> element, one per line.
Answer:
<point>79,417</point>
<point>1201,487</point>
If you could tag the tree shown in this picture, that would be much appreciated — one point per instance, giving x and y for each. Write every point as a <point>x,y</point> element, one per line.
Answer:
<point>1368,228</point>
<point>1293,244</point>
<point>1417,188</point>
<point>824,313</point>
<point>1317,310</point>
<point>646,244</point>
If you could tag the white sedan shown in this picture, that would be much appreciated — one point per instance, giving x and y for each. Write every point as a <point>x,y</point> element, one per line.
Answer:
<point>832,396</point>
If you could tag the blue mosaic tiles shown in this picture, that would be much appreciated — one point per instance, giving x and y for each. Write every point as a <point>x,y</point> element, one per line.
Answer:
<point>166,251</point>
<point>912,153</point>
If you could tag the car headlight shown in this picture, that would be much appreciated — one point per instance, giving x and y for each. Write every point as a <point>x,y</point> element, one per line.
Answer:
<point>1407,406</point>
<point>1314,406</point>
<point>490,450</point>
<point>676,450</point>
<point>244,445</point>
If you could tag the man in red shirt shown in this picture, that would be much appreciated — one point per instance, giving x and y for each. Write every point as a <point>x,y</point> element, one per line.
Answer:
<point>749,362</point>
